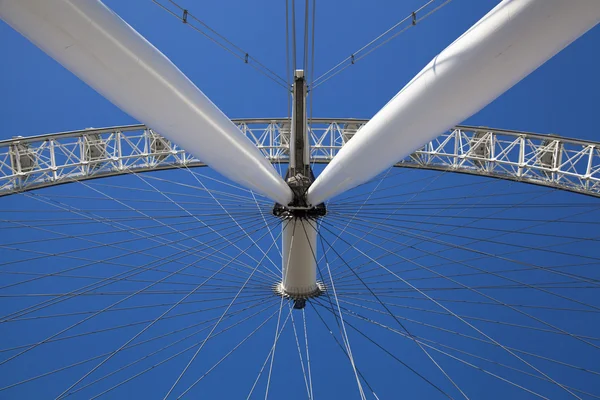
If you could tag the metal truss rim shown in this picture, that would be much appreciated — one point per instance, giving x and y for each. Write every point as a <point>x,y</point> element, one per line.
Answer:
<point>30,163</point>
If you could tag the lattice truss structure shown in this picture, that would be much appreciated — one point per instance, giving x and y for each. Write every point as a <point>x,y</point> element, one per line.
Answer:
<point>33,162</point>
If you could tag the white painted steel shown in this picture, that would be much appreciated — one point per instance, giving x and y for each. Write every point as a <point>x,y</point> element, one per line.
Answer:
<point>299,258</point>
<point>506,45</point>
<point>100,48</point>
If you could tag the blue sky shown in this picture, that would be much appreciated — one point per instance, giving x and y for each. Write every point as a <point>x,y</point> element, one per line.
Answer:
<point>562,97</point>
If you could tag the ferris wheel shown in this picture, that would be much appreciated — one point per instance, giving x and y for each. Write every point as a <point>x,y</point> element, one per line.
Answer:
<point>197,255</point>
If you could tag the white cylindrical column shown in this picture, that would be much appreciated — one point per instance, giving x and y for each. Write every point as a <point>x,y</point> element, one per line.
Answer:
<point>92,42</point>
<point>299,265</point>
<point>505,46</point>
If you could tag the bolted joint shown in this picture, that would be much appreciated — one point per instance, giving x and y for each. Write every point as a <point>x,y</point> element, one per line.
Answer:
<point>299,185</point>
<point>299,207</point>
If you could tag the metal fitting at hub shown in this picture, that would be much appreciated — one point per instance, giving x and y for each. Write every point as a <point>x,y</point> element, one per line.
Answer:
<point>299,299</point>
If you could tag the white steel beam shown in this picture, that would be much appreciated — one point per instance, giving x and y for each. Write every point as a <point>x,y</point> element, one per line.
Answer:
<point>506,45</point>
<point>91,41</point>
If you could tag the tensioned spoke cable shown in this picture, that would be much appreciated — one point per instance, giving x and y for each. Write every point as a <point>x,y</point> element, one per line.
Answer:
<point>403,229</point>
<point>425,206</point>
<point>186,17</point>
<point>350,201</point>
<point>83,237</point>
<point>345,338</point>
<point>391,33</point>
<point>356,212</point>
<point>304,374</point>
<point>238,203</point>
<point>109,260</point>
<point>556,329</point>
<point>479,228</point>
<point>109,307</point>
<point>427,201</point>
<point>294,63</point>
<point>53,222</point>
<point>413,197</point>
<point>219,221</point>
<point>264,199</point>
<point>142,343</point>
<point>438,366</point>
<point>521,284</point>
<point>471,325</point>
<point>169,243</point>
<point>496,274</point>
<point>237,223</point>
<point>483,303</point>
<point>501,258</point>
<point>213,328</point>
<point>422,341</point>
<point>275,339</point>
<point>267,226</point>
<point>236,199</point>
<point>512,253</point>
<point>487,320</point>
<point>138,233</point>
<point>272,349</point>
<point>91,287</point>
<point>210,228</point>
<point>97,278</point>
<point>180,207</point>
<point>311,397</point>
<point>311,73</point>
<point>288,69</point>
<point>132,324</point>
<point>118,309</point>
<point>306,27</point>
<point>340,346</point>
<point>383,349</point>
<point>502,219</point>
<point>161,316</point>
<point>172,356</point>
<point>227,355</point>
<point>337,320</point>
<point>399,248</point>
<point>480,340</point>
<point>521,230</point>
<point>353,217</point>
<point>457,289</point>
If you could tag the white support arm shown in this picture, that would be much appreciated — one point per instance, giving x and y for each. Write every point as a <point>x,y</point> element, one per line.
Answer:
<point>506,45</point>
<point>100,48</point>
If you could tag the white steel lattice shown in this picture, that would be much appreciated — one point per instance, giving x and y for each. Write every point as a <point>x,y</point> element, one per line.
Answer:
<point>28,163</point>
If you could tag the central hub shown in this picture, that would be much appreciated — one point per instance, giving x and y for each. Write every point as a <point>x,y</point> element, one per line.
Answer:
<point>299,207</point>
<point>299,244</point>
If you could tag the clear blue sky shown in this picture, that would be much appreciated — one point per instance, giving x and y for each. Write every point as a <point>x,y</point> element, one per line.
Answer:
<point>561,97</point>
<point>39,96</point>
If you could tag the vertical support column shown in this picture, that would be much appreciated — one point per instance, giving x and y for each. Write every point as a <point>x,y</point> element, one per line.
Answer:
<point>299,279</point>
<point>299,141</point>
<point>299,230</point>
